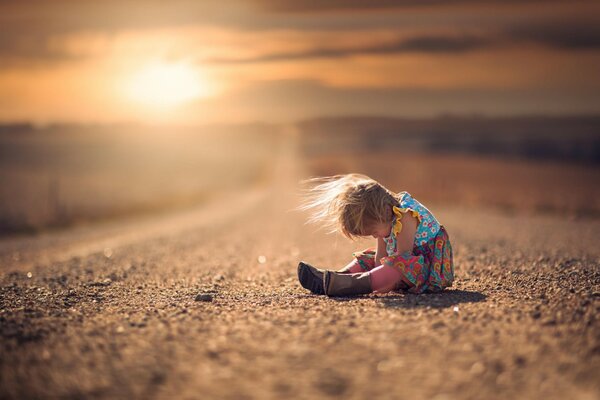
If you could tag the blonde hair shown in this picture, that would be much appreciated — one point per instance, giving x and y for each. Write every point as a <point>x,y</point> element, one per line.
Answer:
<point>348,203</point>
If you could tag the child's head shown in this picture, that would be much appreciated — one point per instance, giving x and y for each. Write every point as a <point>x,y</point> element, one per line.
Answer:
<point>353,204</point>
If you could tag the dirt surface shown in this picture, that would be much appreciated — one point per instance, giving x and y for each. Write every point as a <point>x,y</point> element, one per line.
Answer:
<point>206,304</point>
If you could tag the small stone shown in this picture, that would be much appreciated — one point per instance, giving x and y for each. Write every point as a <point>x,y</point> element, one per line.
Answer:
<point>120,329</point>
<point>477,368</point>
<point>549,321</point>
<point>105,282</point>
<point>46,354</point>
<point>204,297</point>
<point>108,252</point>
<point>29,275</point>
<point>503,379</point>
<point>520,361</point>
<point>262,259</point>
<point>438,325</point>
<point>455,309</point>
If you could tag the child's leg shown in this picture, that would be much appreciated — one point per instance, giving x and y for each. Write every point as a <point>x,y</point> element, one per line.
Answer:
<point>364,261</point>
<point>385,278</point>
<point>353,267</point>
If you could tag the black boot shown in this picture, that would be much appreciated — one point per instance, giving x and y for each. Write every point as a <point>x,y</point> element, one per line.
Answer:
<point>311,278</point>
<point>339,284</point>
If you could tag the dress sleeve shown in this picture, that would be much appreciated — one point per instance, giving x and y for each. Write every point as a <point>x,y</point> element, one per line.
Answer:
<point>398,212</point>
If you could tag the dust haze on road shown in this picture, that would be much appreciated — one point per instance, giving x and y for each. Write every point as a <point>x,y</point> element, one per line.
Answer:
<point>205,303</point>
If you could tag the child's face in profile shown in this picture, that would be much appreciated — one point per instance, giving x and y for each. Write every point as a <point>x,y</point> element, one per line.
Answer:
<point>379,230</point>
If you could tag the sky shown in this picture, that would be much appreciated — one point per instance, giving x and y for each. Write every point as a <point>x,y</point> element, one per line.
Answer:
<point>236,61</point>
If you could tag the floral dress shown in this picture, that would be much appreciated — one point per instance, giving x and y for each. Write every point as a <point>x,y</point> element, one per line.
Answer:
<point>428,267</point>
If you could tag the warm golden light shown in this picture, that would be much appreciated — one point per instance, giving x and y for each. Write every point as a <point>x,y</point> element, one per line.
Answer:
<point>164,85</point>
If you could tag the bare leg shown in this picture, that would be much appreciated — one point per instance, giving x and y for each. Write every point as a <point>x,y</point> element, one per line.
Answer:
<point>352,268</point>
<point>385,278</point>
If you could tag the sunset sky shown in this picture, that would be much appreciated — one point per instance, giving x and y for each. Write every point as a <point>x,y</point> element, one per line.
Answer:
<point>190,62</point>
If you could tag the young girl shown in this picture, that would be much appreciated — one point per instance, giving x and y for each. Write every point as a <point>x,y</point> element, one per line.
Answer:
<point>413,250</point>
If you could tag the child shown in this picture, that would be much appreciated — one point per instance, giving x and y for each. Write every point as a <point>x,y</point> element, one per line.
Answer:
<point>413,250</point>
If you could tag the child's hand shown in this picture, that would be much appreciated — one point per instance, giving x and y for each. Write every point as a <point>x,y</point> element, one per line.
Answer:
<point>381,251</point>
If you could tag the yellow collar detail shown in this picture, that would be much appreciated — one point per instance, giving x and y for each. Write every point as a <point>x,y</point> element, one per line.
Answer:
<point>397,223</point>
<point>397,227</point>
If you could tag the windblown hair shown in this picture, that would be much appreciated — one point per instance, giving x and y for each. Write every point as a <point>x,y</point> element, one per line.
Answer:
<point>348,203</point>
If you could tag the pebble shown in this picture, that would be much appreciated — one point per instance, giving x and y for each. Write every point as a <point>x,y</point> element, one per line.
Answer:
<point>520,360</point>
<point>46,355</point>
<point>477,368</point>
<point>438,325</point>
<point>204,297</point>
<point>549,321</point>
<point>105,282</point>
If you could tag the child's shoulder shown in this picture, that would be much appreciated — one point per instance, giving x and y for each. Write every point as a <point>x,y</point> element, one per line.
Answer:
<point>406,200</point>
<point>404,197</point>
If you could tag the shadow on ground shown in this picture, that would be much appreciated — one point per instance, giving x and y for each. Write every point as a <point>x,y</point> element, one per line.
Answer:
<point>445,299</point>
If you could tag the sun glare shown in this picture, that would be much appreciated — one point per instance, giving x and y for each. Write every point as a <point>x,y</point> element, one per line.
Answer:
<point>165,85</point>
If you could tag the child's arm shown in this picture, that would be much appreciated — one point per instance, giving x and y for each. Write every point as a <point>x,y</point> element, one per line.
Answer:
<point>406,238</point>
<point>381,251</point>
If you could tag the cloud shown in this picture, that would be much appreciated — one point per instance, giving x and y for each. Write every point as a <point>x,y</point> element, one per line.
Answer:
<point>33,50</point>
<point>571,35</point>
<point>424,44</point>
<point>289,100</point>
<point>315,6</point>
<point>30,31</point>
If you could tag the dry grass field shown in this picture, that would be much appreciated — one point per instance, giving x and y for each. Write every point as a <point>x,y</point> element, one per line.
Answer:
<point>64,175</point>
<point>514,186</point>
<point>518,165</point>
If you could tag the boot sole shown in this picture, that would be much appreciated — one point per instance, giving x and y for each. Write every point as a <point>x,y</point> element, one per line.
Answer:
<point>309,280</point>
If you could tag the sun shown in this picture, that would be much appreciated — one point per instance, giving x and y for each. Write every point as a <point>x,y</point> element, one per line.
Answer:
<point>162,84</point>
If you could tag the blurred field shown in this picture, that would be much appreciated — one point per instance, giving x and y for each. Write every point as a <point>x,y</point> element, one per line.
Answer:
<point>61,175</point>
<point>523,165</point>
<point>67,174</point>
<point>512,186</point>
<point>556,138</point>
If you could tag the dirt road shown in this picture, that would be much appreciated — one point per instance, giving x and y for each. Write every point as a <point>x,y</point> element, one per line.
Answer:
<point>205,304</point>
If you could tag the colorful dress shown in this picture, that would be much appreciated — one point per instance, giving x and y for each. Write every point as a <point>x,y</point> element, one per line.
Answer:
<point>429,267</point>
